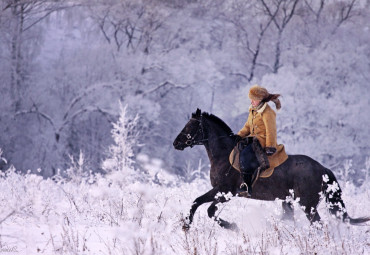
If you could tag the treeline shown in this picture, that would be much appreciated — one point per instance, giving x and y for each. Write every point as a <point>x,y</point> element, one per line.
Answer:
<point>65,65</point>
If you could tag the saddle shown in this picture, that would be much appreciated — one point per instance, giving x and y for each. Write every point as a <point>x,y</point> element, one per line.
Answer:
<point>264,170</point>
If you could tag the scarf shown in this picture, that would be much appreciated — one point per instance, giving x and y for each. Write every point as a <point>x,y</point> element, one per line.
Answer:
<point>259,106</point>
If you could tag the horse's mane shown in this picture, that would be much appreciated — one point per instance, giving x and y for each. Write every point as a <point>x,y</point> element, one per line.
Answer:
<point>217,121</point>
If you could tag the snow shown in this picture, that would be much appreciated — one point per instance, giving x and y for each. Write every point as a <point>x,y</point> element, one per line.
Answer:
<point>109,217</point>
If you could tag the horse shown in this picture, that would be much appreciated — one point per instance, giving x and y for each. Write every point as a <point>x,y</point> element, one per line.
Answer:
<point>299,175</point>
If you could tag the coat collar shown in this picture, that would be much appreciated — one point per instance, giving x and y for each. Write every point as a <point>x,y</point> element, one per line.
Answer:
<point>259,110</point>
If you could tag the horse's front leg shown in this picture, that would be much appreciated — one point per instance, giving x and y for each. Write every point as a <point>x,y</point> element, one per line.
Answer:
<point>207,197</point>
<point>288,211</point>
<point>223,223</point>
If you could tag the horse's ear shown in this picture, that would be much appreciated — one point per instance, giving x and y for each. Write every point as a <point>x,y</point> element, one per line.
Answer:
<point>198,113</point>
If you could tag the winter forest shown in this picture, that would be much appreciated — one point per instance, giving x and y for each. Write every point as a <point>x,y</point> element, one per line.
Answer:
<point>94,92</point>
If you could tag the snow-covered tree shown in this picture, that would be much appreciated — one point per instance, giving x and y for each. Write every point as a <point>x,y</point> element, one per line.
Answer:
<point>125,136</point>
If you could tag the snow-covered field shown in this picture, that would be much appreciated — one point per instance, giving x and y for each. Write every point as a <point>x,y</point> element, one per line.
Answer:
<point>114,214</point>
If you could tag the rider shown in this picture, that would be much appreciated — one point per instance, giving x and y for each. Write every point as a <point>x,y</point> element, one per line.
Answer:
<point>261,123</point>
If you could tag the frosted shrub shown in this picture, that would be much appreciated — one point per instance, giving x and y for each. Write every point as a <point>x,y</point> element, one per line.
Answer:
<point>1,158</point>
<point>125,136</point>
<point>346,172</point>
<point>191,174</point>
<point>366,171</point>
<point>76,171</point>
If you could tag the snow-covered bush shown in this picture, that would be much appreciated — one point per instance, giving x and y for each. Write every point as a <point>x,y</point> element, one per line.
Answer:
<point>76,171</point>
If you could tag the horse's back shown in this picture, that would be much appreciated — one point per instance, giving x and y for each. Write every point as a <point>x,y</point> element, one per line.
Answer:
<point>303,172</point>
<point>301,163</point>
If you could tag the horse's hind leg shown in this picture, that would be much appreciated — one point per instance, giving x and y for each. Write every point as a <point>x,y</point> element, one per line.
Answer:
<point>288,211</point>
<point>223,223</point>
<point>312,214</point>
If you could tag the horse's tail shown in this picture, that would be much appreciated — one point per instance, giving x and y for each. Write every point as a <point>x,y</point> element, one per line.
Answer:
<point>333,195</point>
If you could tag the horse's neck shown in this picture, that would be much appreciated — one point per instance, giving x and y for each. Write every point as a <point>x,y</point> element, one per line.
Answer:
<point>215,146</point>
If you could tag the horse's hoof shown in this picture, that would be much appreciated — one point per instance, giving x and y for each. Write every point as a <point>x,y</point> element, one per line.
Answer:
<point>287,218</point>
<point>234,227</point>
<point>230,226</point>
<point>186,223</point>
<point>185,227</point>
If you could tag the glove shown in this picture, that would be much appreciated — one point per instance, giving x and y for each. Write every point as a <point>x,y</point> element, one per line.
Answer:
<point>270,150</point>
<point>237,138</point>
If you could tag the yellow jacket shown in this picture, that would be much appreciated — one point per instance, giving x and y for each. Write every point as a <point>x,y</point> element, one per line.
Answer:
<point>262,124</point>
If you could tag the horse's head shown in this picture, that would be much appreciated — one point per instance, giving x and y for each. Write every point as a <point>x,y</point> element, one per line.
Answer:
<point>192,134</point>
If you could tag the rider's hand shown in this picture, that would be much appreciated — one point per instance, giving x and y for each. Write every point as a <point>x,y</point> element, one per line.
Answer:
<point>270,150</point>
<point>237,138</point>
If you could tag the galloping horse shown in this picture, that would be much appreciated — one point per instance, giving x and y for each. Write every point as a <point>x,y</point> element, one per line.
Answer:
<point>305,176</point>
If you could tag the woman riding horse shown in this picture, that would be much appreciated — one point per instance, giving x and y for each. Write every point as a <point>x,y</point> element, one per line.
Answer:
<point>298,177</point>
<point>261,123</point>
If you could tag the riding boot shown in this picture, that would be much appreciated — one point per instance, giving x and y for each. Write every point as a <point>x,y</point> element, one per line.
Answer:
<point>248,165</point>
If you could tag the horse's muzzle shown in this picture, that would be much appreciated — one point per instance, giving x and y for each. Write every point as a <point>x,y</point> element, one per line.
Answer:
<point>179,146</point>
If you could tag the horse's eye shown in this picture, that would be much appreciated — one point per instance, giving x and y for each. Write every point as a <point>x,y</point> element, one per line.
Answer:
<point>188,136</point>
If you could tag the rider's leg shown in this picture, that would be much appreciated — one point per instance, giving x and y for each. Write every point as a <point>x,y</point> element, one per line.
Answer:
<point>248,164</point>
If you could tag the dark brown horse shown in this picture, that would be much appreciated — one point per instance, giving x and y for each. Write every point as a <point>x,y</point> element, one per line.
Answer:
<point>299,173</point>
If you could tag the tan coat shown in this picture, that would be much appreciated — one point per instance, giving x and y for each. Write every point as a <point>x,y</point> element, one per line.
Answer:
<point>262,124</point>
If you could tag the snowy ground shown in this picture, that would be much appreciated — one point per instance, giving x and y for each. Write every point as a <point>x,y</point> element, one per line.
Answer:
<point>116,215</point>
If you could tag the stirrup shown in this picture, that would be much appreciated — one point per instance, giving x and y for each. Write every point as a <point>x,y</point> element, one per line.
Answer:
<point>245,190</point>
<point>244,185</point>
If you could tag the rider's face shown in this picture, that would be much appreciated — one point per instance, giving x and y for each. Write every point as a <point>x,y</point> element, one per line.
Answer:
<point>255,102</point>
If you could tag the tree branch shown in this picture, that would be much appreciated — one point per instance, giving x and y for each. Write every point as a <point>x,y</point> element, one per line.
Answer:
<point>36,111</point>
<point>173,85</point>
<point>6,217</point>
<point>273,16</point>
<point>87,92</point>
<point>240,74</point>
<point>82,111</point>
<point>345,14</point>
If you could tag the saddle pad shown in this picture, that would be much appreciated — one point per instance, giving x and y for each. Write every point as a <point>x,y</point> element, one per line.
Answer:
<point>267,173</point>
<point>234,161</point>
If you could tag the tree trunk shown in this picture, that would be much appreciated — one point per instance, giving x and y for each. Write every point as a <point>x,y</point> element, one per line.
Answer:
<point>278,52</point>
<point>16,56</point>
<point>255,56</point>
<point>212,97</point>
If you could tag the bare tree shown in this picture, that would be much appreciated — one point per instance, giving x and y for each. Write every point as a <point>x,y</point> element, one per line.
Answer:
<point>132,23</point>
<point>61,129</point>
<point>281,12</point>
<point>341,10</point>
<point>316,11</point>
<point>251,39</point>
<point>346,12</point>
<point>19,17</point>
<point>323,18</point>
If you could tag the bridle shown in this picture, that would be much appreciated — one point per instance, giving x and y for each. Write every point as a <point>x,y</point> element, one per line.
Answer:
<point>191,138</point>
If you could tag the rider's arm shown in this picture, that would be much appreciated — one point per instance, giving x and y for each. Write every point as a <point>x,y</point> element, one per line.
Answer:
<point>245,131</point>
<point>269,119</point>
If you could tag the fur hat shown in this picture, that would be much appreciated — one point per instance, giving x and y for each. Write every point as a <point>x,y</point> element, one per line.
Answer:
<point>259,93</point>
